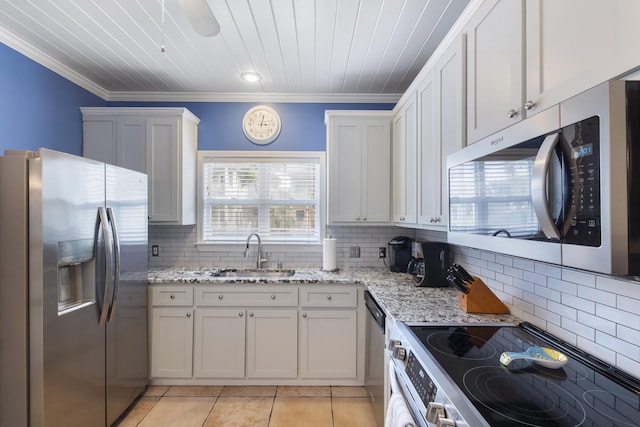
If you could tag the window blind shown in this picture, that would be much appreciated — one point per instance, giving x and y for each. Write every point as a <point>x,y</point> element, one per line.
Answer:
<point>491,195</point>
<point>278,198</point>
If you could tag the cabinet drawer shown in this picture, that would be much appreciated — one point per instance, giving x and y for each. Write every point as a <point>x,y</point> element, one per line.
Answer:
<point>172,296</point>
<point>334,296</point>
<point>234,295</point>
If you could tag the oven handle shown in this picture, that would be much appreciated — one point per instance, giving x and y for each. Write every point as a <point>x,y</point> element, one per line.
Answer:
<point>403,412</point>
<point>539,186</point>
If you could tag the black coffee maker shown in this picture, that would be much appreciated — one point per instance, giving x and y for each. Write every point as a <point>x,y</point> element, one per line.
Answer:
<point>399,249</point>
<point>429,263</point>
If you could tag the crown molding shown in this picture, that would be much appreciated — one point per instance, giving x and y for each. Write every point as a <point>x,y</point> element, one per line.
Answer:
<point>49,62</point>
<point>340,98</point>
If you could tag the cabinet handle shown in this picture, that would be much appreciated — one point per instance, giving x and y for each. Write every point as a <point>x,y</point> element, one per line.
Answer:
<point>273,297</point>
<point>529,105</point>
<point>304,315</point>
<point>241,314</point>
<point>329,297</point>
<point>188,314</point>
<point>512,113</point>
<point>220,296</point>
<point>251,314</point>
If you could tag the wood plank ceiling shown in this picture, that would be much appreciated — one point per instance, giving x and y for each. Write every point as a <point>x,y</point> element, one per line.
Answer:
<point>302,48</point>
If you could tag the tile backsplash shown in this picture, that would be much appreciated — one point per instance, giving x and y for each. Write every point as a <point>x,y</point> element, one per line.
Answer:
<point>177,248</point>
<point>597,313</point>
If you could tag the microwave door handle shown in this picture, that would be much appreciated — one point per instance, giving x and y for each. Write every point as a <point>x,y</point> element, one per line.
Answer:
<point>108,287</point>
<point>116,260</point>
<point>539,186</point>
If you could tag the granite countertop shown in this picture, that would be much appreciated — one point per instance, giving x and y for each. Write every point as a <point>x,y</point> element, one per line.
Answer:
<point>395,292</point>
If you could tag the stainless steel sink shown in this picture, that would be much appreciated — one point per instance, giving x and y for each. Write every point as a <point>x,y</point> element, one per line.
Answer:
<point>253,273</point>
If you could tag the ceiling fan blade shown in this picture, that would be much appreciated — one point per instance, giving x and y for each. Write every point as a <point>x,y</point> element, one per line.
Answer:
<point>201,17</point>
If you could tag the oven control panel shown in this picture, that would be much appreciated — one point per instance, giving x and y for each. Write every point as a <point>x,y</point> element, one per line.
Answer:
<point>423,384</point>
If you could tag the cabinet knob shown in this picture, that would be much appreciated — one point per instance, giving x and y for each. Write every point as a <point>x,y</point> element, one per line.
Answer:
<point>329,297</point>
<point>357,218</point>
<point>529,105</point>
<point>512,113</point>
<point>251,314</point>
<point>304,315</point>
<point>241,314</point>
<point>364,219</point>
<point>220,297</point>
<point>172,296</point>
<point>188,314</point>
<point>273,297</point>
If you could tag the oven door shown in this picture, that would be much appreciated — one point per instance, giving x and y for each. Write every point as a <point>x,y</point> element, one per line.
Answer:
<point>402,409</point>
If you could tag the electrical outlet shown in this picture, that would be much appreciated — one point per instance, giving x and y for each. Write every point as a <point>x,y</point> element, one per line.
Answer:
<point>155,251</point>
<point>354,252</point>
<point>382,252</point>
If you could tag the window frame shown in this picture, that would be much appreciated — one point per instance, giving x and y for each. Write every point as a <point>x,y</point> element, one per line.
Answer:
<point>248,156</point>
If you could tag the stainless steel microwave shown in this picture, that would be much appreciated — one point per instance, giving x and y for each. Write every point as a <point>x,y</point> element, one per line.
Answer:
<point>562,186</point>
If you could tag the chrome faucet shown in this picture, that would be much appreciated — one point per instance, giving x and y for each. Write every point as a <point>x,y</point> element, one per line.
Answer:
<point>259,259</point>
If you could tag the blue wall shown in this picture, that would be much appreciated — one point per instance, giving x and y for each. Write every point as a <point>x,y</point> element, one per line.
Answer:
<point>39,108</point>
<point>221,123</point>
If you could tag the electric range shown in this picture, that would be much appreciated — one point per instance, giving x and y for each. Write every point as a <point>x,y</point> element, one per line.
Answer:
<point>452,376</point>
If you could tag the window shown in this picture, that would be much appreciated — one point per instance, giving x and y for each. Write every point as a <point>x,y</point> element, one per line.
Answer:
<point>277,194</point>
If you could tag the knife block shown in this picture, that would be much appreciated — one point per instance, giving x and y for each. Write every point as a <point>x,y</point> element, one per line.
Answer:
<point>481,299</point>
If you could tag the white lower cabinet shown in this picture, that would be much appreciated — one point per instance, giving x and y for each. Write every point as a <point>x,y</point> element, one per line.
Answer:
<point>272,344</point>
<point>328,332</point>
<point>327,344</point>
<point>172,342</point>
<point>219,340</point>
<point>172,331</point>
<point>257,334</point>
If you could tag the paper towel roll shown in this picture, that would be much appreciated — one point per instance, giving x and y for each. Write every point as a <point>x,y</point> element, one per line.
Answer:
<point>329,254</point>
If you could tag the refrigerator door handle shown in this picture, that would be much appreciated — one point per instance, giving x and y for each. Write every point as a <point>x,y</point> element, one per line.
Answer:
<point>108,287</point>
<point>116,247</point>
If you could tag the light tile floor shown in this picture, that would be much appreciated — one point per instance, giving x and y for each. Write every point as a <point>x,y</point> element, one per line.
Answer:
<point>253,406</point>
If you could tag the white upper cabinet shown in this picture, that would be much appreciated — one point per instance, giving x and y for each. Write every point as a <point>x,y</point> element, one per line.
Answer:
<point>524,57</point>
<point>405,161</point>
<point>441,112</point>
<point>160,142</point>
<point>359,164</point>
<point>573,45</point>
<point>494,67</point>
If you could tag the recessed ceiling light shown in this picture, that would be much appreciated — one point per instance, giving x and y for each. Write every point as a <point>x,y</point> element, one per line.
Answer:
<point>251,77</point>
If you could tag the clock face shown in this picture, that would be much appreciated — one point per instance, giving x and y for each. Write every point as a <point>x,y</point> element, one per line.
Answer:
<point>261,124</point>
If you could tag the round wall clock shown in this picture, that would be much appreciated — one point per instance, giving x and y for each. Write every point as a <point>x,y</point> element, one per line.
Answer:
<point>261,124</point>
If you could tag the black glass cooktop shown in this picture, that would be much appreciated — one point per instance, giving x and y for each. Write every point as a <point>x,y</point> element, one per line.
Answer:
<point>584,392</point>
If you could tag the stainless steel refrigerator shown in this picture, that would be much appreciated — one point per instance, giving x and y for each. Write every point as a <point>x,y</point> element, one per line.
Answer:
<point>73,290</point>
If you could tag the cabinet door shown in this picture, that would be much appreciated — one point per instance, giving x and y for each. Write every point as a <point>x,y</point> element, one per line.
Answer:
<point>345,170</point>
<point>171,342</point>
<point>573,45</point>
<point>328,344</point>
<point>494,67</point>
<point>272,344</point>
<point>219,343</point>
<point>450,78</point>
<point>132,143</point>
<point>376,174</point>
<point>99,140</point>
<point>405,174</point>
<point>428,151</point>
<point>162,161</point>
